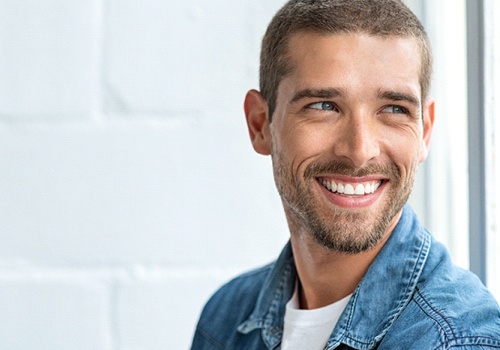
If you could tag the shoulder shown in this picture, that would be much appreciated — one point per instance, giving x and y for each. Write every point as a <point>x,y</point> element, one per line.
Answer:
<point>450,309</point>
<point>448,320</point>
<point>461,308</point>
<point>231,305</point>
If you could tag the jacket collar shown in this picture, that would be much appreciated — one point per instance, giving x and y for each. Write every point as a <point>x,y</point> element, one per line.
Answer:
<point>269,312</point>
<point>378,300</point>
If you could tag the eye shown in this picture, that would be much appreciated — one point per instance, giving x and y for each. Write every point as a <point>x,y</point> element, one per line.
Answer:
<point>395,109</point>
<point>324,106</point>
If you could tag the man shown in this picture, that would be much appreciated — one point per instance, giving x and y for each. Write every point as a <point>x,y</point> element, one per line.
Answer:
<point>344,113</point>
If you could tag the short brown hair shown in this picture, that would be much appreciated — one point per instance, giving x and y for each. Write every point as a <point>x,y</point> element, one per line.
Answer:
<point>373,17</point>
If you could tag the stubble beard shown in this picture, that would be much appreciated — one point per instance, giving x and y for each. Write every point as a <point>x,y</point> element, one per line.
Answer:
<point>340,230</point>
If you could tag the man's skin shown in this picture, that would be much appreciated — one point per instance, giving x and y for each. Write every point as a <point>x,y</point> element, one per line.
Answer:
<point>350,111</point>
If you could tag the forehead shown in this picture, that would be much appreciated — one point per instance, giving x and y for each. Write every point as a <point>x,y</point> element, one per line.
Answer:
<point>354,60</point>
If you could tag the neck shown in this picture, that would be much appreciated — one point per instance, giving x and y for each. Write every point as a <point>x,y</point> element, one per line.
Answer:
<point>326,276</point>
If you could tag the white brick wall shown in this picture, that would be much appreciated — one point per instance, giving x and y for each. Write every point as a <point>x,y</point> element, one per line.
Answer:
<point>128,187</point>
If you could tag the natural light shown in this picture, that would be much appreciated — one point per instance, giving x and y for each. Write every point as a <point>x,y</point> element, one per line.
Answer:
<point>442,197</point>
<point>494,246</point>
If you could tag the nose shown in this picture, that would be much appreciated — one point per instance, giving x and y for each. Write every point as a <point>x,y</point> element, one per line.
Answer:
<point>357,140</point>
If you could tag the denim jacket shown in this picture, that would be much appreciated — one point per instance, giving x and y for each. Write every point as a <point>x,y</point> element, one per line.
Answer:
<point>412,297</point>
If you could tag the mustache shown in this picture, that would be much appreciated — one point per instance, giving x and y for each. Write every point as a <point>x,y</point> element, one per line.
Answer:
<point>343,168</point>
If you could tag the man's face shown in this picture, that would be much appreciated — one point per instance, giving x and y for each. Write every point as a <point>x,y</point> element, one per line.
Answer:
<point>347,136</point>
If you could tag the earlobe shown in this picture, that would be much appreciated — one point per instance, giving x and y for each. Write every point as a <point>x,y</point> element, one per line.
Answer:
<point>256,113</point>
<point>428,119</point>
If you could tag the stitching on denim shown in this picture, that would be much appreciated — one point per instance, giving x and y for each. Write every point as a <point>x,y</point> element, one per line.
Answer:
<point>444,326</point>
<point>423,253</point>
<point>210,338</point>
<point>275,305</point>
<point>483,341</point>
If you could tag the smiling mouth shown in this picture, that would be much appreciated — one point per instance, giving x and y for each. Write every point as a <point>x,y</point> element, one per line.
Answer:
<point>350,189</point>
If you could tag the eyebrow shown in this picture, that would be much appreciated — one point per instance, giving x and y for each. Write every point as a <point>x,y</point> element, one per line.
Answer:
<point>333,93</point>
<point>399,96</point>
<point>316,93</point>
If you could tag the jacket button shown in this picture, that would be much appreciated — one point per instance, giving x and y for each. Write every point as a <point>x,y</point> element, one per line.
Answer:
<point>275,330</point>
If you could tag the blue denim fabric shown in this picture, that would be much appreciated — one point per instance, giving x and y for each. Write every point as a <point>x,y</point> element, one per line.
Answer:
<point>412,297</point>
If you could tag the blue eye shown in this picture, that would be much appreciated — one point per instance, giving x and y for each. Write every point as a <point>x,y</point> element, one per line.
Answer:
<point>395,109</point>
<point>324,106</point>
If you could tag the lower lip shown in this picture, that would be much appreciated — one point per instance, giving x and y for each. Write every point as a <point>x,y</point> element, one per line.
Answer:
<point>352,202</point>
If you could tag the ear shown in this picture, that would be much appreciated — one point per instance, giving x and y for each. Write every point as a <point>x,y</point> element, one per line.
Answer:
<point>256,113</point>
<point>428,119</point>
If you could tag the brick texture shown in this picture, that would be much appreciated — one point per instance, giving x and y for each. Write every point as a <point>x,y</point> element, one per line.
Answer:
<point>129,187</point>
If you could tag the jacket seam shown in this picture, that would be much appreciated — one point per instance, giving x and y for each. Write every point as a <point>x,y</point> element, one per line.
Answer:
<point>209,338</point>
<point>480,341</point>
<point>444,326</point>
<point>453,341</point>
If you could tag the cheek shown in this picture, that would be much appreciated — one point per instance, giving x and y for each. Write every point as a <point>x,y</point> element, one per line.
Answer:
<point>405,150</point>
<point>407,162</point>
<point>300,142</point>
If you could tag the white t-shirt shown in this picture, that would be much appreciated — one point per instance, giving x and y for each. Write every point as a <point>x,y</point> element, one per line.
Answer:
<point>310,329</point>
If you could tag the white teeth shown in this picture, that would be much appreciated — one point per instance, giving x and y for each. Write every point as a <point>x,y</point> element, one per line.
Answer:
<point>368,188</point>
<point>350,189</point>
<point>333,186</point>
<point>360,190</point>
<point>340,188</point>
